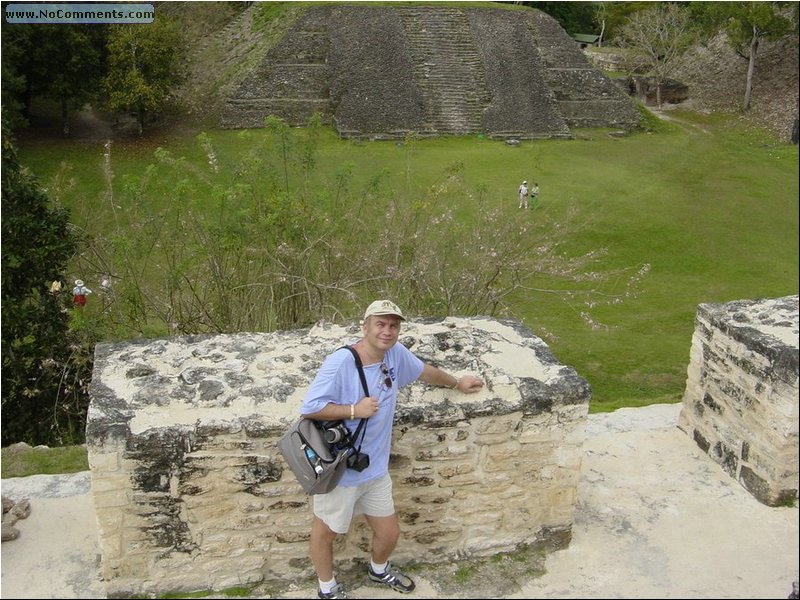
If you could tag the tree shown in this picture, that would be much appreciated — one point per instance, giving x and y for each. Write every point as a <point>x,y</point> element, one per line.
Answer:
<point>747,24</point>
<point>37,406</point>
<point>574,17</point>
<point>72,80</point>
<point>609,17</point>
<point>77,76</point>
<point>145,63</point>
<point>660,36</point>
<point>13,81</point>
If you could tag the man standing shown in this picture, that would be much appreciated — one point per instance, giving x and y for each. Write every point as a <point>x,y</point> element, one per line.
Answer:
<point>534,193</point>
<point>336,393</point>
<point>523,195</point>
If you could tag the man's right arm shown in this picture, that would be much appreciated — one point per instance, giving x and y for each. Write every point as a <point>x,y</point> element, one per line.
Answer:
<point>323,400</point>
<point>363,409</point>
<point>467,384</point>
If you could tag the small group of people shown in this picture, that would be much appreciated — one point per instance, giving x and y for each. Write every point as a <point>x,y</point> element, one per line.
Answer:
<point>80,292</point>
<point>524,192</point>
<point>336,393</point>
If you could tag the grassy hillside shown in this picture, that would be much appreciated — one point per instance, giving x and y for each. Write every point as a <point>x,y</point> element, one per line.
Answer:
<point>704,210</point>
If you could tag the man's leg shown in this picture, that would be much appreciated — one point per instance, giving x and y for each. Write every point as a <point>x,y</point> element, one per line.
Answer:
<point>321,549</point>
<point>385,533</point>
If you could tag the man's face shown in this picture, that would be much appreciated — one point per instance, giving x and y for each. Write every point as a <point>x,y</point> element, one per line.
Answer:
<point>382,331</point>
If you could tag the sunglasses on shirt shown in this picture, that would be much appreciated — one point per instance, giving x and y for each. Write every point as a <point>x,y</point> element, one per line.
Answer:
<point>387,381</point>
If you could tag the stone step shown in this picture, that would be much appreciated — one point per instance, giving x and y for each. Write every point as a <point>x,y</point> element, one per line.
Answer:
<point>239,113</point>
<point>447,69</point>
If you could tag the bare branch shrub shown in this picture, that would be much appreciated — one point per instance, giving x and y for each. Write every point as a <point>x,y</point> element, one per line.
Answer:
<point>238,248</point>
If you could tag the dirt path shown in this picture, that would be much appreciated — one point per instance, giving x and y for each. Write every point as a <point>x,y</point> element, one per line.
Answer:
<point>663,113</point>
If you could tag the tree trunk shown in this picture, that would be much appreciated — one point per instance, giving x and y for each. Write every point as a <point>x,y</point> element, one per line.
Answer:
<point>751,67</point>
<point>140,119</point>
<point>27,101</point>
<point>65,116</point>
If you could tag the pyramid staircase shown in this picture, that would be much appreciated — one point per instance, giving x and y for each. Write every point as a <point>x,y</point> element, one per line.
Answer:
<point>291,81</point>
<point>447,70</point>
<point>585,96</point>
<point>382,72</point>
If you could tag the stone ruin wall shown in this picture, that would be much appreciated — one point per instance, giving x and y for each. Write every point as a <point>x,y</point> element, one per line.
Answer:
<point>741,400</point>
<point>382,72</point>
<point>191,493</point>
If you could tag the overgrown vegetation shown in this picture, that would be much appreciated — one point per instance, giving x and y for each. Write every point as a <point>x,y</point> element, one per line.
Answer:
<point>261,241</point>
<point>44,360</point>
<point>201,235</point>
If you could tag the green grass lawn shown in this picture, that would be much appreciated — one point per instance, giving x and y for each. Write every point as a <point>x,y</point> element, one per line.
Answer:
<point>706,208</point>
<point>23,460</point>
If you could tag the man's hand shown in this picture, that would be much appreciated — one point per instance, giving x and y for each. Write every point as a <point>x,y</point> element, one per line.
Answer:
<point>366,407</point>
<point>466,384</point>
<point>469,384</point>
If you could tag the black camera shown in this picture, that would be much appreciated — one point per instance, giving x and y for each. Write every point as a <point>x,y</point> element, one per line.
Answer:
<point>337,434</point>
<point>358,461</point>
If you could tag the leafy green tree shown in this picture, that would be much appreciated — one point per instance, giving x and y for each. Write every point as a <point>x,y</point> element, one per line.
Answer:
<point>610,17</point>
<point>574,17</point>
<point>21,71</point>
<point>660,37</point>
<point>62,62</point>
<point>747,24</point>
<point>145,63</point>
<point>75,78</point>
<point>40,404</point>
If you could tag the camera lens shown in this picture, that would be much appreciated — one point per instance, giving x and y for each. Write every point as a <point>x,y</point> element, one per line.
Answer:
<point>333,435</point>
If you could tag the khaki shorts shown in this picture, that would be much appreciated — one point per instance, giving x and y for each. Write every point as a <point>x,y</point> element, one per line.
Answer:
<point>338,507</point>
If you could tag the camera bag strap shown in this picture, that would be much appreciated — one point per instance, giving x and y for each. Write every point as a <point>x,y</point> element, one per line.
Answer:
<point>362,425</point>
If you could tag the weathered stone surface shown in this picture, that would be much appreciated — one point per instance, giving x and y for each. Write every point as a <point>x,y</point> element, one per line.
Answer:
<point>741,399</point>
<point>189,486</point>
<point>385,71</point>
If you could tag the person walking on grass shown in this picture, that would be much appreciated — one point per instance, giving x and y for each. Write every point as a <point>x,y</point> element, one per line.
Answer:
<point>336,393</point>
<point>79,293</point>
<point>523,195</point>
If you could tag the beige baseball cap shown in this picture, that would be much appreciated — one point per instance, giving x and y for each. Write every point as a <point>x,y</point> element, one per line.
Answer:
<point>383,307</point>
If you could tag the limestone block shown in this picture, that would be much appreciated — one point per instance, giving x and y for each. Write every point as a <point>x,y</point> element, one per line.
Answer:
<point>191,492</point>
<point>741,399</point>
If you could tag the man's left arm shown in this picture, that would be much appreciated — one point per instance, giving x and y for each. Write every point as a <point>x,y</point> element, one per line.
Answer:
<point>468,384</point>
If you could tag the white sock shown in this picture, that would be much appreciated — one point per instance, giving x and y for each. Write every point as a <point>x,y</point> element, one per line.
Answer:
<point>326,586</point>
<point>378,569</point>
